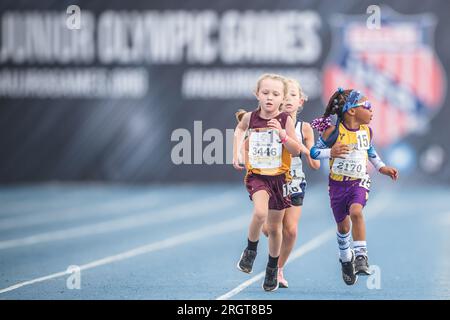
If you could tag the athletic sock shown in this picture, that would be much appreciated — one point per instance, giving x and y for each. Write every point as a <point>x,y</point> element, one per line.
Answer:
<point>252,245</point>
<point>345,253</point>
<point>273,262</point>
<point>360,248</point>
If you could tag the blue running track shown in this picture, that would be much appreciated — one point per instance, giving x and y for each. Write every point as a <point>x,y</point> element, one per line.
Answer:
<point>183,242</point>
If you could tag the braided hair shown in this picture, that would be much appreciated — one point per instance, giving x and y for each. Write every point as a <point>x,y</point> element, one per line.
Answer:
<point>335,106</point>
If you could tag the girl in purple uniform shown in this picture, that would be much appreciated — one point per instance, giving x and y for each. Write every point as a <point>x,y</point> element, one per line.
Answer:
<point>348,146</point>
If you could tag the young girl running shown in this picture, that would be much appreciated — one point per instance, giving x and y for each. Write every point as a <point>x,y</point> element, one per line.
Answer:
<point>293,104</point>
<point>271,141</point>
<point>348,145</point>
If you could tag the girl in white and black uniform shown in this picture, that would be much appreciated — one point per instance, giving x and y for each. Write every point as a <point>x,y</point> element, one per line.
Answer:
<point>293,104</point>
<point>297,186</point>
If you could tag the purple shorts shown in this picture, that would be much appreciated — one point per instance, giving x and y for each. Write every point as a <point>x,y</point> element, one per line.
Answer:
<point>343,194</point>
<point>274,187</point>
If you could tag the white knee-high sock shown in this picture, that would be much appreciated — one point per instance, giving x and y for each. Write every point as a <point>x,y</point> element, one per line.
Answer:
<point>360,248</point>
<point>345,252</point>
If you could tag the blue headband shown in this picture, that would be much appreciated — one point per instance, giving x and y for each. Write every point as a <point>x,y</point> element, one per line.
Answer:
<point>351,101</point>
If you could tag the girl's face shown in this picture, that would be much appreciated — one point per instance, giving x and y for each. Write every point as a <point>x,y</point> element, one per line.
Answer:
<point>293,100</point>
<point>363,112</point>
<point>270,95</point>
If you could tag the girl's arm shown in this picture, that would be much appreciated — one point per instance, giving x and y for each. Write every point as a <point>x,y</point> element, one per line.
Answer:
<point>288,136</point>
<point>322,151</point>
<point>308,135</point>
<point>376,161</point>
<point>239,135</point>
<point>374,158</point>
<point>243,151</point>
<point>292,144</point>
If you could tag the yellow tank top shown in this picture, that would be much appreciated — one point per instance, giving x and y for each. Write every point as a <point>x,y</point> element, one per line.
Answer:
<point>350,137</point>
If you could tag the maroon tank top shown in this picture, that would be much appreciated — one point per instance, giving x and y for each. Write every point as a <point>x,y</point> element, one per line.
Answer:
<point>257,122</point>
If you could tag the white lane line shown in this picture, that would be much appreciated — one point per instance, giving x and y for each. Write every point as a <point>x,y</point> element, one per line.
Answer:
<point>311,245</point>
<point>226,226</point>
<point>307,247</point>
<point>185,210</point>
<point>114,207</point>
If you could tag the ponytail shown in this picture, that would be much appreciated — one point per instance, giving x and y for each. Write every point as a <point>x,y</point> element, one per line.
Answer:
<point>240,114</point>
<point>335,106</point>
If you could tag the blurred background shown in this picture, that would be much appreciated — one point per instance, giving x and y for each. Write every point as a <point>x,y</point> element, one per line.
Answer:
<point>102,102</point>
<point>108,106</point>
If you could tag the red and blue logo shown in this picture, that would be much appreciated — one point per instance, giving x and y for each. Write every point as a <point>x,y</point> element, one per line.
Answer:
<point>395,66</point>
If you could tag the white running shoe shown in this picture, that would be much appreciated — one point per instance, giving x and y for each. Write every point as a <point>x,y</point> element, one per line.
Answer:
<point>281,280</point>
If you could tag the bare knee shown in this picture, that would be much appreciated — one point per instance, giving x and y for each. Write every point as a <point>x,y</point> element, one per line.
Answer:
<point>260,215</point>
<point>344,226</point>
<point>356,215</point>
<point>274,229</point>
<point>290,232</point>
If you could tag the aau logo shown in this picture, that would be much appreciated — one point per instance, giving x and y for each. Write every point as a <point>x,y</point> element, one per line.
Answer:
<point>394,65</point>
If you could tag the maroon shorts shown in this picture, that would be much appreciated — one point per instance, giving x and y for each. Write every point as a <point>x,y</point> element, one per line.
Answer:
<point>274,187</point>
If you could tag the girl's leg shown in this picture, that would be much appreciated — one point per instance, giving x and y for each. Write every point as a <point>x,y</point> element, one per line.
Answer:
<point>275,229</point>
<point>358,225</point>
<point>339,203</point>
<point>344,226</point>
<point>264,229</point>
<point>260,212</point>
<point>346,256</point>
<point>343,239</point>
<point>359,239</point>
<point>290,222</point>
<point>290,227</point>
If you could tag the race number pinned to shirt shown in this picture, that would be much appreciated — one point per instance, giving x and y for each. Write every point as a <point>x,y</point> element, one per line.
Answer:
<point>365,182</point>
<point>354,165</point>
<point>363,140</point>
<point>265,149</point>
<point>295,187</point>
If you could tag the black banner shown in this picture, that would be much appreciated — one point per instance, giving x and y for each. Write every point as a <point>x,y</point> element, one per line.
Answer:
<point>142,91</point>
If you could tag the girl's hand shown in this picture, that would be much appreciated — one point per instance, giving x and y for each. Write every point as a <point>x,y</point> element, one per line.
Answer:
<point>275,124</point>
<point>339,150</point>
<point>389,171</point>
<point>304,149</point>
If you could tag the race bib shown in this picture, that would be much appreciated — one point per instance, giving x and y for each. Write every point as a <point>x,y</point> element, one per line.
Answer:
<point>363,140</point>
<point>354,165</point>
<point>365,182</point>
<point>295,186</point>
<point>265,149</point>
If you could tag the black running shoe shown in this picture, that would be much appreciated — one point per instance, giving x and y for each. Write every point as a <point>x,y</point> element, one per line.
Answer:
<point>245,264</point>
<point>348,271</point>
<point>271,279</point>
<point>362,265</point>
